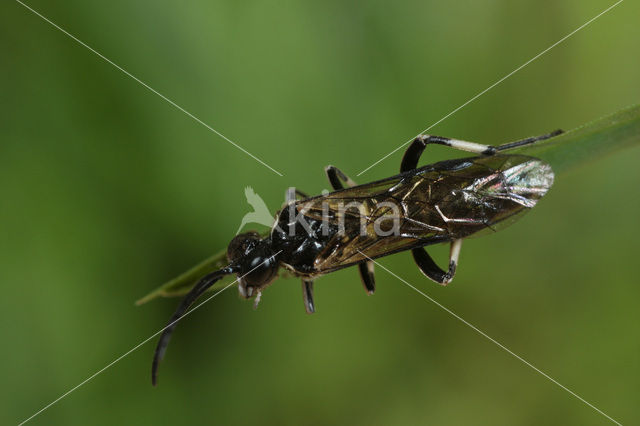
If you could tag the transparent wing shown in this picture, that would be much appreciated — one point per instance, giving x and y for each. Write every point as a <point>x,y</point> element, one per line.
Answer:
<point>437,203</point>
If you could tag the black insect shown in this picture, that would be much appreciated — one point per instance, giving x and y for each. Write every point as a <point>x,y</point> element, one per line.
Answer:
<point>442,202</point>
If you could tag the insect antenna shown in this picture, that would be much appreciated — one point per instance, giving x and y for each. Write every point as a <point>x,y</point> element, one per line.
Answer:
<point>202,286</point>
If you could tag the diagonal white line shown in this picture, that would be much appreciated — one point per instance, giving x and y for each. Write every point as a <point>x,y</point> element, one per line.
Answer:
<point>500,345</point>
<point>139,344</point>
<point>149,87</point>
<point>496,83</point>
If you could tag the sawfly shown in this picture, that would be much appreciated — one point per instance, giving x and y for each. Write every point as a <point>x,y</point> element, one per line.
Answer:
<point>444,202</point>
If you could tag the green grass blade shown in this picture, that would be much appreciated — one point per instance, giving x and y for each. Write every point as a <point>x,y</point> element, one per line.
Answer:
<point>588,142</point>
<point>184,282</point>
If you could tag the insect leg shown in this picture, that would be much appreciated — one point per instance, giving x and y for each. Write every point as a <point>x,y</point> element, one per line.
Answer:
<point>413,153</point>
<point>294,194</point>
<point>336,179</point>
<point>528,141</point>
<point>367,276</point>
<point>431,270</point>
<point>307,296</point>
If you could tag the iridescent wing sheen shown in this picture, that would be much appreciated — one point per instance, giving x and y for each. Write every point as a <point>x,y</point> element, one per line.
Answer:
<point>436,203</point>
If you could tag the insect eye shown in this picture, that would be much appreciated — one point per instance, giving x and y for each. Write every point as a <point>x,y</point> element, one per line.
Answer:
<point>241,244</point>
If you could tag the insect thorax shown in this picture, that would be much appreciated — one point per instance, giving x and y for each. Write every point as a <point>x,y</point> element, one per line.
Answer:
<point>301,238</point>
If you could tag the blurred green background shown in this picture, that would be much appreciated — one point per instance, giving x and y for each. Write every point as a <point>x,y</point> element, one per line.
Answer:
<point>108,191</point>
